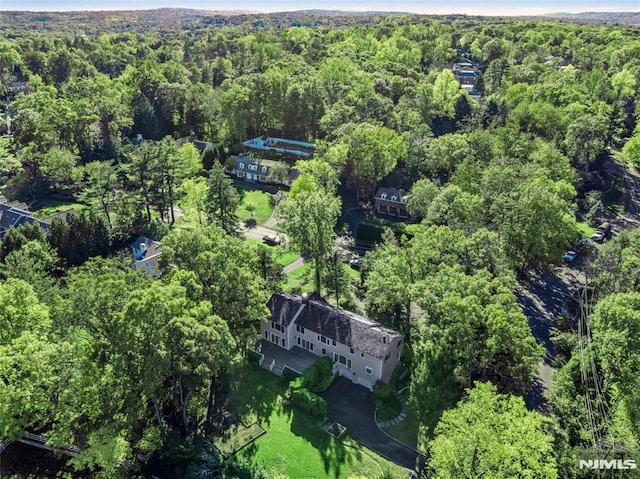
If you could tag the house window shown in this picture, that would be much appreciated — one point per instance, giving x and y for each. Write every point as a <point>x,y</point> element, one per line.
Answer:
<point>394,198</point>
<point>362,355</point>
<point>383,196</point>
<point>368,370</point>
<point>351,351</point>
<point>333,342</point>
<point>342,359</point>
<point>298,341</point>
<point>277,327</point>
<point>264,169</point>
<point>384,339</point>
<point>300,329</point>
<point>241,166</point>
<point>323,339</point>
<point>283,342</point>
<point>266,334</point>
<point>349,363</point>
<point>324,352</point>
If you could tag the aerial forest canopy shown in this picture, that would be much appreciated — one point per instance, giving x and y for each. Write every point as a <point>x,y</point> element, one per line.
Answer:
<point>106,116</point>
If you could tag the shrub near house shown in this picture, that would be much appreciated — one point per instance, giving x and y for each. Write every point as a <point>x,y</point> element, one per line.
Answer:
<point>302,391</point>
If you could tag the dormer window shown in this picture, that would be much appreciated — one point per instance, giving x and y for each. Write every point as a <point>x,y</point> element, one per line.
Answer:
<point>264,169</point>
<point>404,199</point>
<point>383,196</point>
<point>241,166</point>
<point>394,198</point>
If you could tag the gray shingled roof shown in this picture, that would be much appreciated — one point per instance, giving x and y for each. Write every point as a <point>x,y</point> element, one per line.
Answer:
<point>358,332</point>
<point>391,192</point>
<point>284,307</point>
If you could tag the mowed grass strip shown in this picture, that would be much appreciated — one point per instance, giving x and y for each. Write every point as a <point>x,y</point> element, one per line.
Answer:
<point>294,444</point>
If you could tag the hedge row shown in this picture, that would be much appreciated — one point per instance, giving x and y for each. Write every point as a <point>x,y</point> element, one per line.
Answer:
<point>309,402</point>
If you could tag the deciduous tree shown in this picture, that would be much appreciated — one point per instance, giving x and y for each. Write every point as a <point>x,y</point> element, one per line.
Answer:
<point>492,435</point>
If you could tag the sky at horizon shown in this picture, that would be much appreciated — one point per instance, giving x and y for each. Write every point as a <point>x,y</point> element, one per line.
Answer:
<point>471,7</point>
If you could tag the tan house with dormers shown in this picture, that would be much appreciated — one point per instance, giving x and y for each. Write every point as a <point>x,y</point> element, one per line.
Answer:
<point>361,349</point>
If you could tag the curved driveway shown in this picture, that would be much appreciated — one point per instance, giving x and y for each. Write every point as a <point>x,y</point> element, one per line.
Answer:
<point>354,406</point>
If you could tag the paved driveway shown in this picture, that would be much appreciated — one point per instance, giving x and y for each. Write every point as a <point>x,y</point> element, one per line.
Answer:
<point>542,296</point>
<point>353,406</point>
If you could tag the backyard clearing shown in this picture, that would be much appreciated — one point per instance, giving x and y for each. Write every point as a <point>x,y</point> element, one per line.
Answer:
<point>295,445</point>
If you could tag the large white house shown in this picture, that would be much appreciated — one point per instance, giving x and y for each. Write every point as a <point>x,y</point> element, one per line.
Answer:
<point>361,349</point>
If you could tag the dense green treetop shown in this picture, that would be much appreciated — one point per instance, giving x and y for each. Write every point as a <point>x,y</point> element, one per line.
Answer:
<point>494,436</point>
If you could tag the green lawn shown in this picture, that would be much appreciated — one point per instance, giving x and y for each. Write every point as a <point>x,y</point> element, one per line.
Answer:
<point>585,230</point>
<point>354,274</point>
<point>49,206</point>
<point>282,256</point>
<point>294,444</point>
<point>237,437</point>
<point>299,280</point>
<point>408,432</point>
<point>263,201</point>
<point>302,278</point>
<point>388,408</point>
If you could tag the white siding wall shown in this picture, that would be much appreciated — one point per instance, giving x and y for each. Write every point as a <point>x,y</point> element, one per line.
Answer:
<point>381,370</point>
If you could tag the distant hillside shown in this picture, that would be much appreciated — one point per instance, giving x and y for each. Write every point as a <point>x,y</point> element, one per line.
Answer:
<point>165,19</point>
<point>107,20</point>
<point>171,19</point>
<point>627,18</point>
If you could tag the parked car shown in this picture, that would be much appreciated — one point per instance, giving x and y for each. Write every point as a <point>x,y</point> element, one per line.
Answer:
<point>570,256</point>
<point>356,263</point>
<point>271,240</point>
<point>601,232</point>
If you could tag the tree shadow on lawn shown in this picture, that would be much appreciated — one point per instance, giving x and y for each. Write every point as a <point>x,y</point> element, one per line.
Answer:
<point>333,453</point>
<point>256,393</point>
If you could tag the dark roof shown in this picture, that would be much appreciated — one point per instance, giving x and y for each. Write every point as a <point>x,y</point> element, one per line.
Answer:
<point>11,216</point>
<point>391,192</point>
<point>353,330</point>
<point>466,73</point>
<point>62,215</point>
<point>284,307</point>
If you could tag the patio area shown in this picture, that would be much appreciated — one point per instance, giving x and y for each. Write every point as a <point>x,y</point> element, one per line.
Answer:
<point>275,358</point>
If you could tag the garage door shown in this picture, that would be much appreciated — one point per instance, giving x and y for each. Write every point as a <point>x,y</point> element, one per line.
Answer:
<point>364,382</point>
